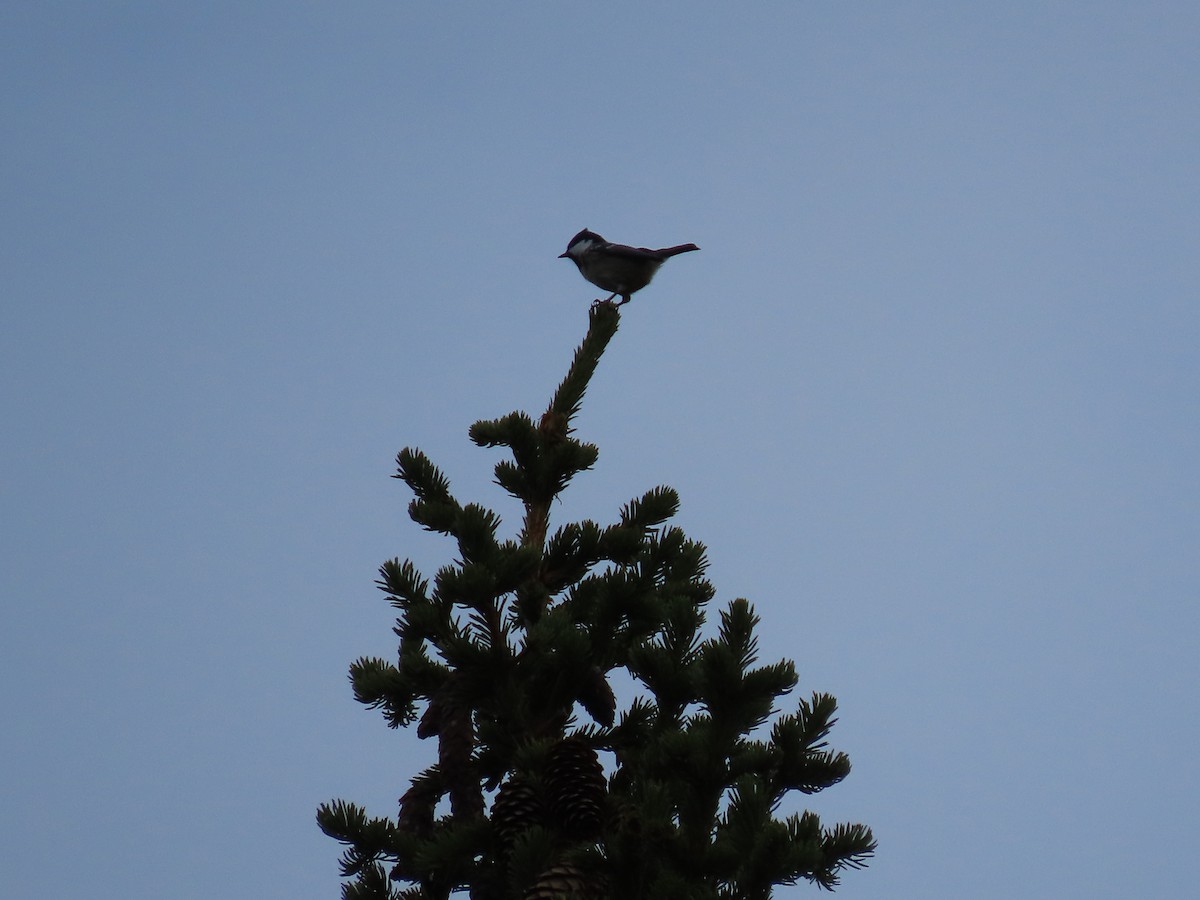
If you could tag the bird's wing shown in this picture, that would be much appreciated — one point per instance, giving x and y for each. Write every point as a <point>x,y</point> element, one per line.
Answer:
<point>638,253</point>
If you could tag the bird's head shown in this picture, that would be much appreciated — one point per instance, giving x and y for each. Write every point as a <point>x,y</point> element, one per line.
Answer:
<point>581,244</point>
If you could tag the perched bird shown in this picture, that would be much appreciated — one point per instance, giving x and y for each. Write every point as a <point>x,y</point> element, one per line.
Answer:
<point>615,267</point>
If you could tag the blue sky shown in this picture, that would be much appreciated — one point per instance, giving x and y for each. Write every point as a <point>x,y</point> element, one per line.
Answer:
<point>930,393</point>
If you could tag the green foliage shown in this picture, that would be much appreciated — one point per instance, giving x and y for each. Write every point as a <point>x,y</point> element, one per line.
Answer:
<point>505,658</point>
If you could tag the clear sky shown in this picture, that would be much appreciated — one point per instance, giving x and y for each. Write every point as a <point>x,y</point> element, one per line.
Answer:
<point>930,393</point>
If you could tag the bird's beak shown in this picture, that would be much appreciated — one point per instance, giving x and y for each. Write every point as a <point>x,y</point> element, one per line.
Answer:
<point>563,255</point>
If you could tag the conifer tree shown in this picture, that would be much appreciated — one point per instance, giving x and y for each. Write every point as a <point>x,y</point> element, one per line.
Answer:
<point>506,663</point>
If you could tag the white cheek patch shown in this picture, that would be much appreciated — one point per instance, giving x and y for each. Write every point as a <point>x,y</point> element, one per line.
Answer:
<point>580,248</point>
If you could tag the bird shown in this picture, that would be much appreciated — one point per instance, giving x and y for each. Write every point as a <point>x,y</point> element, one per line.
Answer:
<point>616,267</point>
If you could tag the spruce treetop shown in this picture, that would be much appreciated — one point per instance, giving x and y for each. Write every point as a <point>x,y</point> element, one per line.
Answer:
<point>542,788</point>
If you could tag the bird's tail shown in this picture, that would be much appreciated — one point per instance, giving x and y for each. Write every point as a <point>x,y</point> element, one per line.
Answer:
<point>675,251</point>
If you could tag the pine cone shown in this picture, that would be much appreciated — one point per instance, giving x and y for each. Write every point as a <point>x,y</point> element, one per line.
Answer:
<point>576,786</point>
<point>598,699</point>
<point>553,427</point>
<point>418,804</point>
<point>564,881</point>
<point>431,721</point>
<point>516,809</point>
<point>456,741</point>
